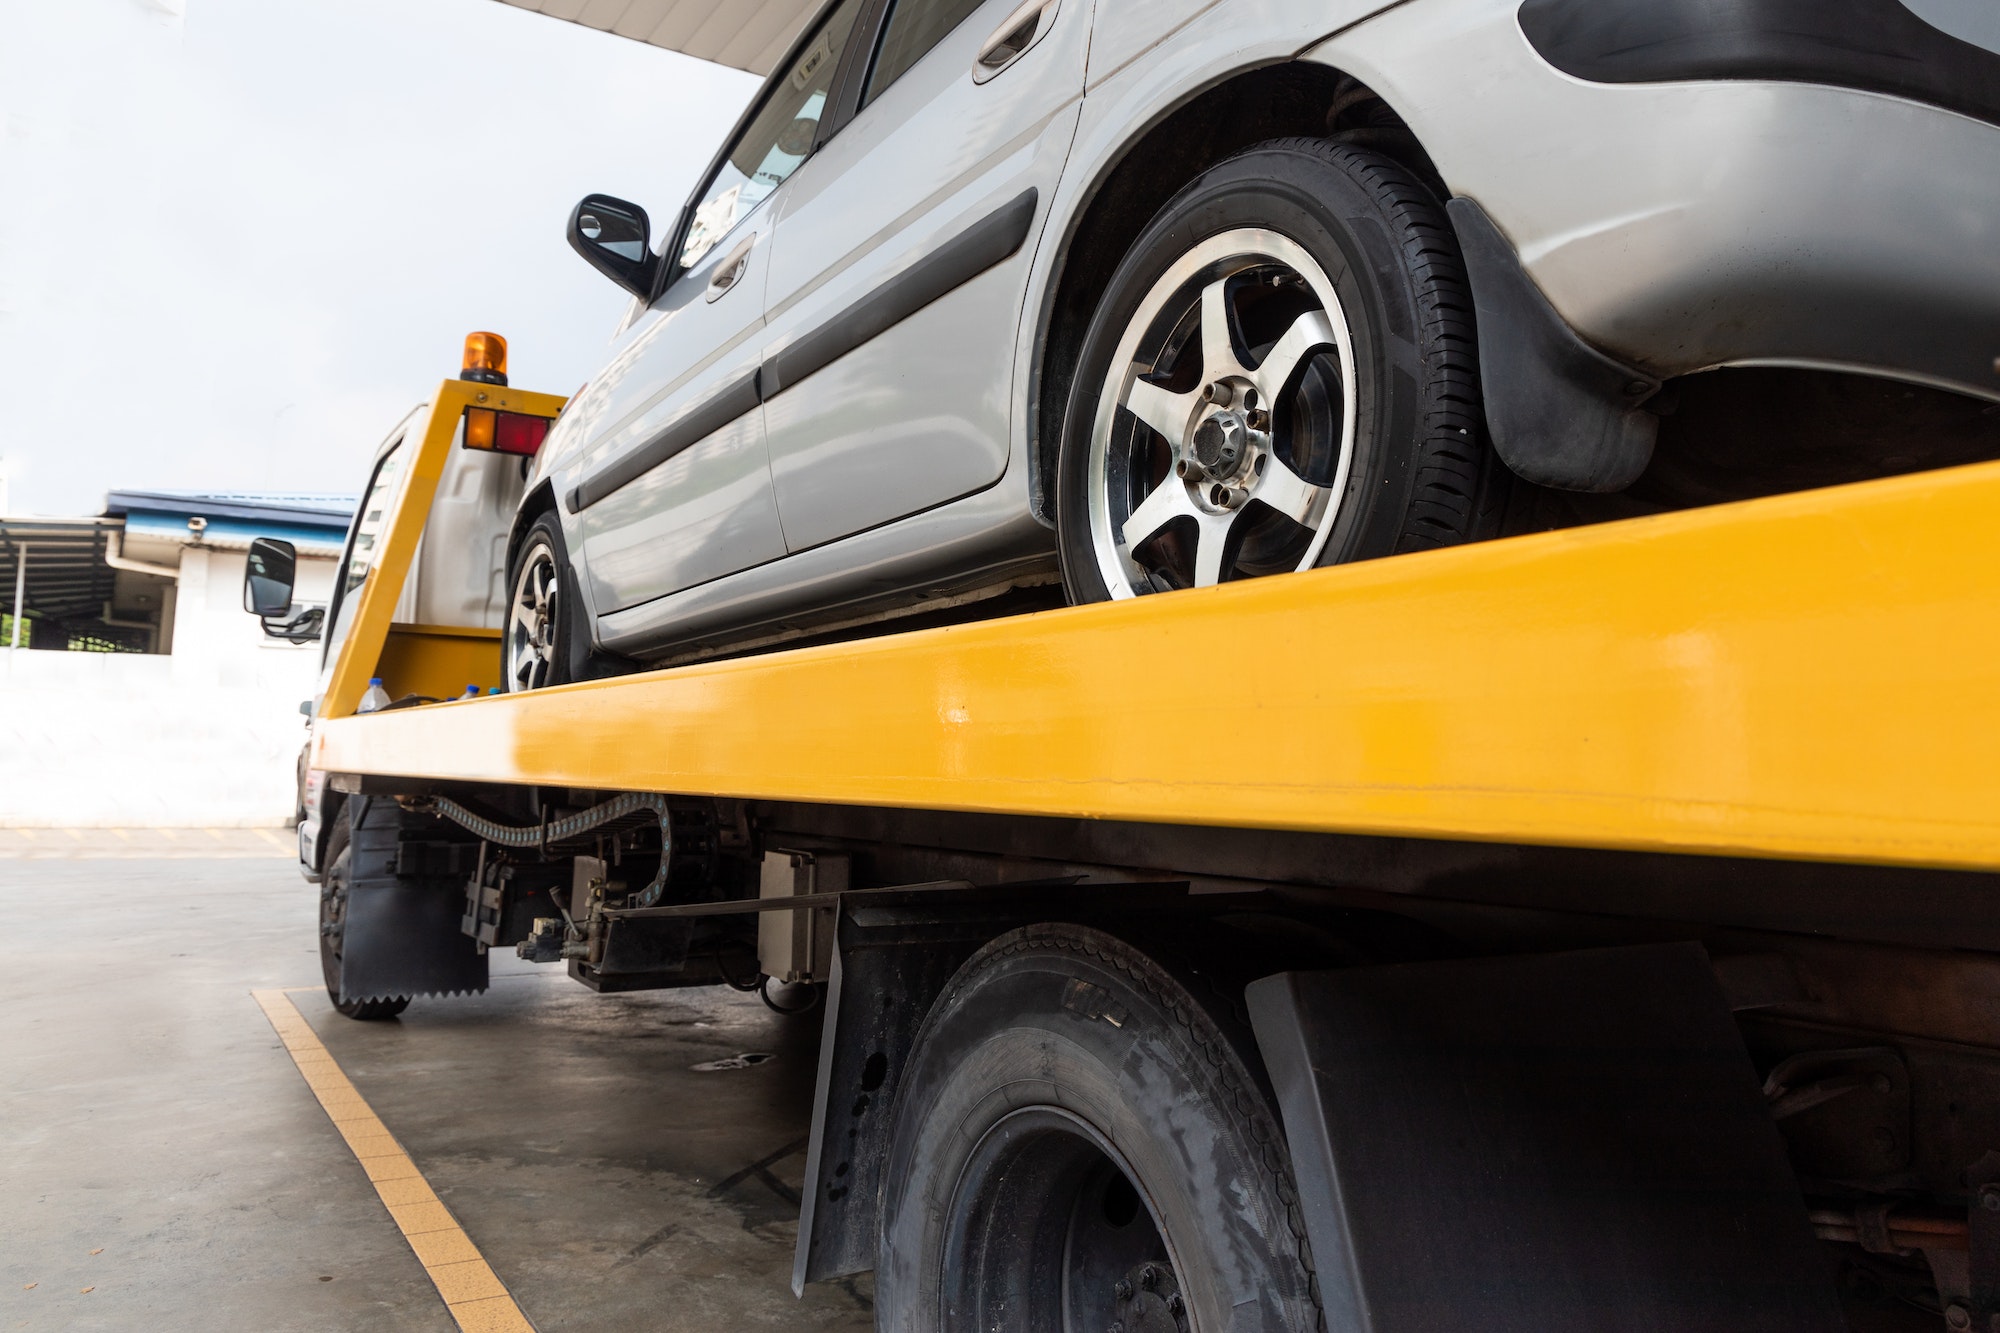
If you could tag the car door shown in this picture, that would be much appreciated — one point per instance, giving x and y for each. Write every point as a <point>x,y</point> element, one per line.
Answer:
<point>676,489</point>
<point>900,261</point>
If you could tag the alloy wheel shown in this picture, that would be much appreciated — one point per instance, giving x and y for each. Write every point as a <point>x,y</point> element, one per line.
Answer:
<point>1225,430</point>
<point>532,619</point>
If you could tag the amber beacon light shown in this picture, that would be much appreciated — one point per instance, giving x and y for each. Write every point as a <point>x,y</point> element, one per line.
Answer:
<point>492,429</point>
<point>485,358</point>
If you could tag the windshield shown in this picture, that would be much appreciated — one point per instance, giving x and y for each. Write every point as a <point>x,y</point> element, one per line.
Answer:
<point>361,544</point>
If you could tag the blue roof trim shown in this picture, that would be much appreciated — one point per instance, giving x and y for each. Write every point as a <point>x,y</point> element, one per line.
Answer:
<point>320,512</point>
<point>174,526</point>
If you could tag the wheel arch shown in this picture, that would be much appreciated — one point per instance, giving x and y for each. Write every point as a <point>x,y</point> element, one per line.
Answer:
<point>1214,122</point>
<point>588,661</point>
<point>540,499</point>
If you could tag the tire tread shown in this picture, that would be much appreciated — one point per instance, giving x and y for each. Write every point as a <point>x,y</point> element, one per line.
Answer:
<point>1227,1060</point>
<point>1451,459</point>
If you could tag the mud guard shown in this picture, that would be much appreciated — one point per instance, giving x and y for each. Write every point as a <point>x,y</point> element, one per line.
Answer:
<point>1561,413</point>
<point>405,905</point>
<point>1560,1141</point>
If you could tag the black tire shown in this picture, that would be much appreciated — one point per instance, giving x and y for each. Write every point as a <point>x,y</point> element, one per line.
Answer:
<point>528,660</point>
<point>1080,1141</point>
<point>1420,472</point>
<point>332,926</point>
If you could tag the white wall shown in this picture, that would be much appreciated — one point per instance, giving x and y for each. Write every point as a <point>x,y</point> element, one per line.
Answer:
<point>205,738</point>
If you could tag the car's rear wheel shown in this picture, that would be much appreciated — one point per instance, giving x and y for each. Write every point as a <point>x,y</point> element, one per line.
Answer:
<point>1080,1144</point>
<point>536,646</point>
<point>1282,373</point>
<point>333,888</point>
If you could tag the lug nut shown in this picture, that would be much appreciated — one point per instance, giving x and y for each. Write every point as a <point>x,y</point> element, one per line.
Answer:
<point>1176,1306</point>
<point>1124,1290</point>
<point>1957,1316</point>
<point>1220,497</point>
<point>1217,393</point>
<point>1149,1277</point>
<point>1260,420</point>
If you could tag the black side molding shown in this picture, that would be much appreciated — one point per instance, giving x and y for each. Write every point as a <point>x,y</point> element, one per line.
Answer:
<point>989,241</point>
<point>1561,413</point>
<point>1875,46</point>
<point>697,422</point>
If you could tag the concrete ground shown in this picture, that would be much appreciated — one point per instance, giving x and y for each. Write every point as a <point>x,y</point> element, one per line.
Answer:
<point>165,1166</point>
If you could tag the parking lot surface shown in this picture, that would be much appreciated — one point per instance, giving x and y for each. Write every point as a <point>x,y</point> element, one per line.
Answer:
<point>169,1168</point>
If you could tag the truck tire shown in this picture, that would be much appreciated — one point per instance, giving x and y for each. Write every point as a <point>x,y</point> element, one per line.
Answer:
<point>1282,373</point>
<point>1081,1142</point>
<point>332,927</point>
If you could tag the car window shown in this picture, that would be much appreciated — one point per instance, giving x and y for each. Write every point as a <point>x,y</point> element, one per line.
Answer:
<point>368,521</point>
<point>914,27</point>
<point>777,140</point>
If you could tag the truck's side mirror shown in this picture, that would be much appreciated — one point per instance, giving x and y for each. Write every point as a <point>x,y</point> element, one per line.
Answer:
<point>615,237</point>
<point>268,576</point>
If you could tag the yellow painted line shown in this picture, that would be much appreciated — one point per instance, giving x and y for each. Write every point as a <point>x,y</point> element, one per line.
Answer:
<point>470,1289</point>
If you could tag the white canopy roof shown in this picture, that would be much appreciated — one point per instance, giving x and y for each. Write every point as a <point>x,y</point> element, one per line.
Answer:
<point>743,34</point>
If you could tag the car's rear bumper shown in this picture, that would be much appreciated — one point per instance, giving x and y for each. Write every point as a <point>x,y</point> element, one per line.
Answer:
<point>1682,226</point>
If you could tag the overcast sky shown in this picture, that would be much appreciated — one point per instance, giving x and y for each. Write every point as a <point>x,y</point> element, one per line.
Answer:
<point>240,238</point>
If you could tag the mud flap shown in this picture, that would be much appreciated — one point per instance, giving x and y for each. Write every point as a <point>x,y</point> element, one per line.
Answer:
<point>1561,1141</point>
<point>404,911</point>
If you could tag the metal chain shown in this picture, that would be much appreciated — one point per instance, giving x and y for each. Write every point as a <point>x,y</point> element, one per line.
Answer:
<point>540,835</point>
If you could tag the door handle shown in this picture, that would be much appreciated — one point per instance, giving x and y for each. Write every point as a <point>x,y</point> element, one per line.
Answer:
<point>1021,30</point>
<point>731,270</point>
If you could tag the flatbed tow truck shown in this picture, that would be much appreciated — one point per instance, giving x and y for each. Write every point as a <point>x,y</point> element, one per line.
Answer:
<point>1586,930</point>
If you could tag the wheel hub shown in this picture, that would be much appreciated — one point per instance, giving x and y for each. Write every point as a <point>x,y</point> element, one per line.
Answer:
<point>1221,445</point>
<point>1149,1301</point>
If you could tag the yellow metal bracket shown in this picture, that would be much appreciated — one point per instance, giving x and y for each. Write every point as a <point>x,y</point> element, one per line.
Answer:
<point>1812,676</point>
<point>429,437</point>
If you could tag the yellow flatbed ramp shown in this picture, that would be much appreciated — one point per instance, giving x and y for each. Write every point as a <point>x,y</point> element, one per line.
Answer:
<point>1814,676</point>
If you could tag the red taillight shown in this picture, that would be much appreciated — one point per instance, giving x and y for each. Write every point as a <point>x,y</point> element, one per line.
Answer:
<point>504,432</point>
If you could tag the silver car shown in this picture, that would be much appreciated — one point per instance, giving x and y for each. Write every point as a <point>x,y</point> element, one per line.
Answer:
<point>1114,298</point>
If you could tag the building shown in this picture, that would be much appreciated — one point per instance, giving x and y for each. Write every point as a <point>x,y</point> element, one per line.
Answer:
<point>141,694</point>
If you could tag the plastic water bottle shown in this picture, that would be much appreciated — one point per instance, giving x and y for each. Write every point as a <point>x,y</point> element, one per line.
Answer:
<point>375,698</point>
<point>471,692</point>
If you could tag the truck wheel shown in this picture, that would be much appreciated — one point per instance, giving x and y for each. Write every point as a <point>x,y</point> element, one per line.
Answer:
<point>1080,1143</point>
<point>536,647</point>
<point>333,923</point>
<point>1281,374</point>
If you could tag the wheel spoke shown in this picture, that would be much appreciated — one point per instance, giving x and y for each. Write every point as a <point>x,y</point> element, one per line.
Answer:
<point>525,616</point>
<point>1162,409</point>
<point>1168,501</point>
<point>1287,492</point>
<point>1211,545</point>
<point>1218,346</point>
<point>1308,334</point>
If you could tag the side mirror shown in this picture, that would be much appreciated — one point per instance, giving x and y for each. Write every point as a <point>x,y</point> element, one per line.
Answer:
<point>615,238</point>
<point>268,576</point>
